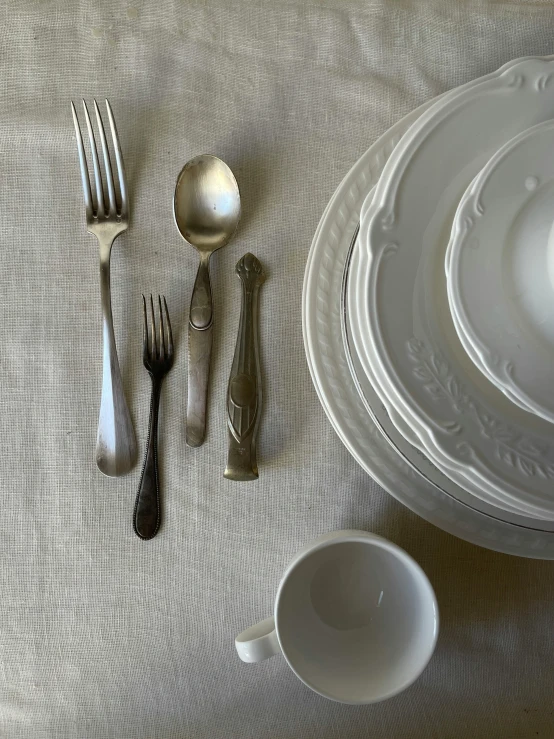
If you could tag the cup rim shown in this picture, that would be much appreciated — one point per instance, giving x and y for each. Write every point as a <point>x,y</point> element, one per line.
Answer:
<point>363,537</point>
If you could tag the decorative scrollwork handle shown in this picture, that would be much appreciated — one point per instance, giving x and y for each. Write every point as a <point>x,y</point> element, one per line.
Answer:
<point>244,395</point>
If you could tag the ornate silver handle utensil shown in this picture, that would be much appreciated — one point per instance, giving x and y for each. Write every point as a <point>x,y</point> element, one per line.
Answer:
<point>244,394</point>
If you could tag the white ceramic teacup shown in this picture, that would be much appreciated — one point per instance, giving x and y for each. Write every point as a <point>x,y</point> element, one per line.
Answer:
<point>355,617</point>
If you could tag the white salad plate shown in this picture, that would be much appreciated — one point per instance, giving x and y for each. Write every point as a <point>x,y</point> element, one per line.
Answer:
<point>500,270</point>
<point>329,368</point>
<point>468,427</point>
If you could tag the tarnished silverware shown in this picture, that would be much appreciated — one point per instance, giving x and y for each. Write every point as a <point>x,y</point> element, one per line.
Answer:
<point>157,356</point>
<point>244,395</point>
<point>116,447</point>
<point>206,207</point>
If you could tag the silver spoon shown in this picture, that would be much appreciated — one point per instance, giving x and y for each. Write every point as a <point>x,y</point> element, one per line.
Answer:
<point>206,207</point>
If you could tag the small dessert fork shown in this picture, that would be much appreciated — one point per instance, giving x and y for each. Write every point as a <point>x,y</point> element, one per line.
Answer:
<point>157,356</point>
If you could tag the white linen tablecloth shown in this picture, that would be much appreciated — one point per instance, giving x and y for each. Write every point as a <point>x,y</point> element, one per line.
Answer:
<point>103,635</point>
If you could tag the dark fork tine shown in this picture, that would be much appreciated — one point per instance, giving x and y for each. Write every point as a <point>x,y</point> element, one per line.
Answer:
<point>163,353</point>
<point>169,333</point>
<point>145,350</point>
<point>154,348</point>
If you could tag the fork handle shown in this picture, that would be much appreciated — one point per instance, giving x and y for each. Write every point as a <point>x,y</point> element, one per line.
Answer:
<point>147,513</point>
<point>116,446</point>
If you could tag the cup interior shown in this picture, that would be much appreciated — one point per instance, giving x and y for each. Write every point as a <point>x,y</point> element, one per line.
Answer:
<point>357,620</point>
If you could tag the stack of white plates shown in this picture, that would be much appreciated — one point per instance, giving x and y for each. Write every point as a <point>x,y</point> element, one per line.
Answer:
<point>430,336</point>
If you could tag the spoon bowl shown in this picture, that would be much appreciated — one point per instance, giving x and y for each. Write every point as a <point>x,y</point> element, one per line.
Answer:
<point>206,203</point>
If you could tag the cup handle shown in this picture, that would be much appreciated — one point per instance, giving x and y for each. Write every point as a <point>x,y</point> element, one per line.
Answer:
<point>258,642</point>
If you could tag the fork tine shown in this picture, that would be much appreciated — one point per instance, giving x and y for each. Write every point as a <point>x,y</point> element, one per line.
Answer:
<point>154,341</point>
<point>145,352</point>
<point>82,164</point>
<point>95,166</point>
<point>169,334</point>
<point>107,163</point>
<point>163,352</point>
<point>118,161</point>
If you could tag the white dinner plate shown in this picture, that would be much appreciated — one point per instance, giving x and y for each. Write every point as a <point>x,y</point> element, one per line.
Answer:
<point>321,321</point>
<point>391,423</point>
<point>392,426</point>
<point>467,426</point>
<point>500,270</point>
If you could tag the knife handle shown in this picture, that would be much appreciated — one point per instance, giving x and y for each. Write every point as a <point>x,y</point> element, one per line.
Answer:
<point>244,394</point>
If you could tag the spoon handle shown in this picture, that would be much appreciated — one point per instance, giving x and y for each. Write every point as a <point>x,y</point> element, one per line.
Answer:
<point>244,395</point>
<point>201,309</point>
<point>200,352</point>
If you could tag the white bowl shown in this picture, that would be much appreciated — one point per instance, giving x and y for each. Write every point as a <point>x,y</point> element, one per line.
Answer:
<point>500,270</point>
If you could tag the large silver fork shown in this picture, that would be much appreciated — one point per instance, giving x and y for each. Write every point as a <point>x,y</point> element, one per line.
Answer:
<point>116,446</point>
